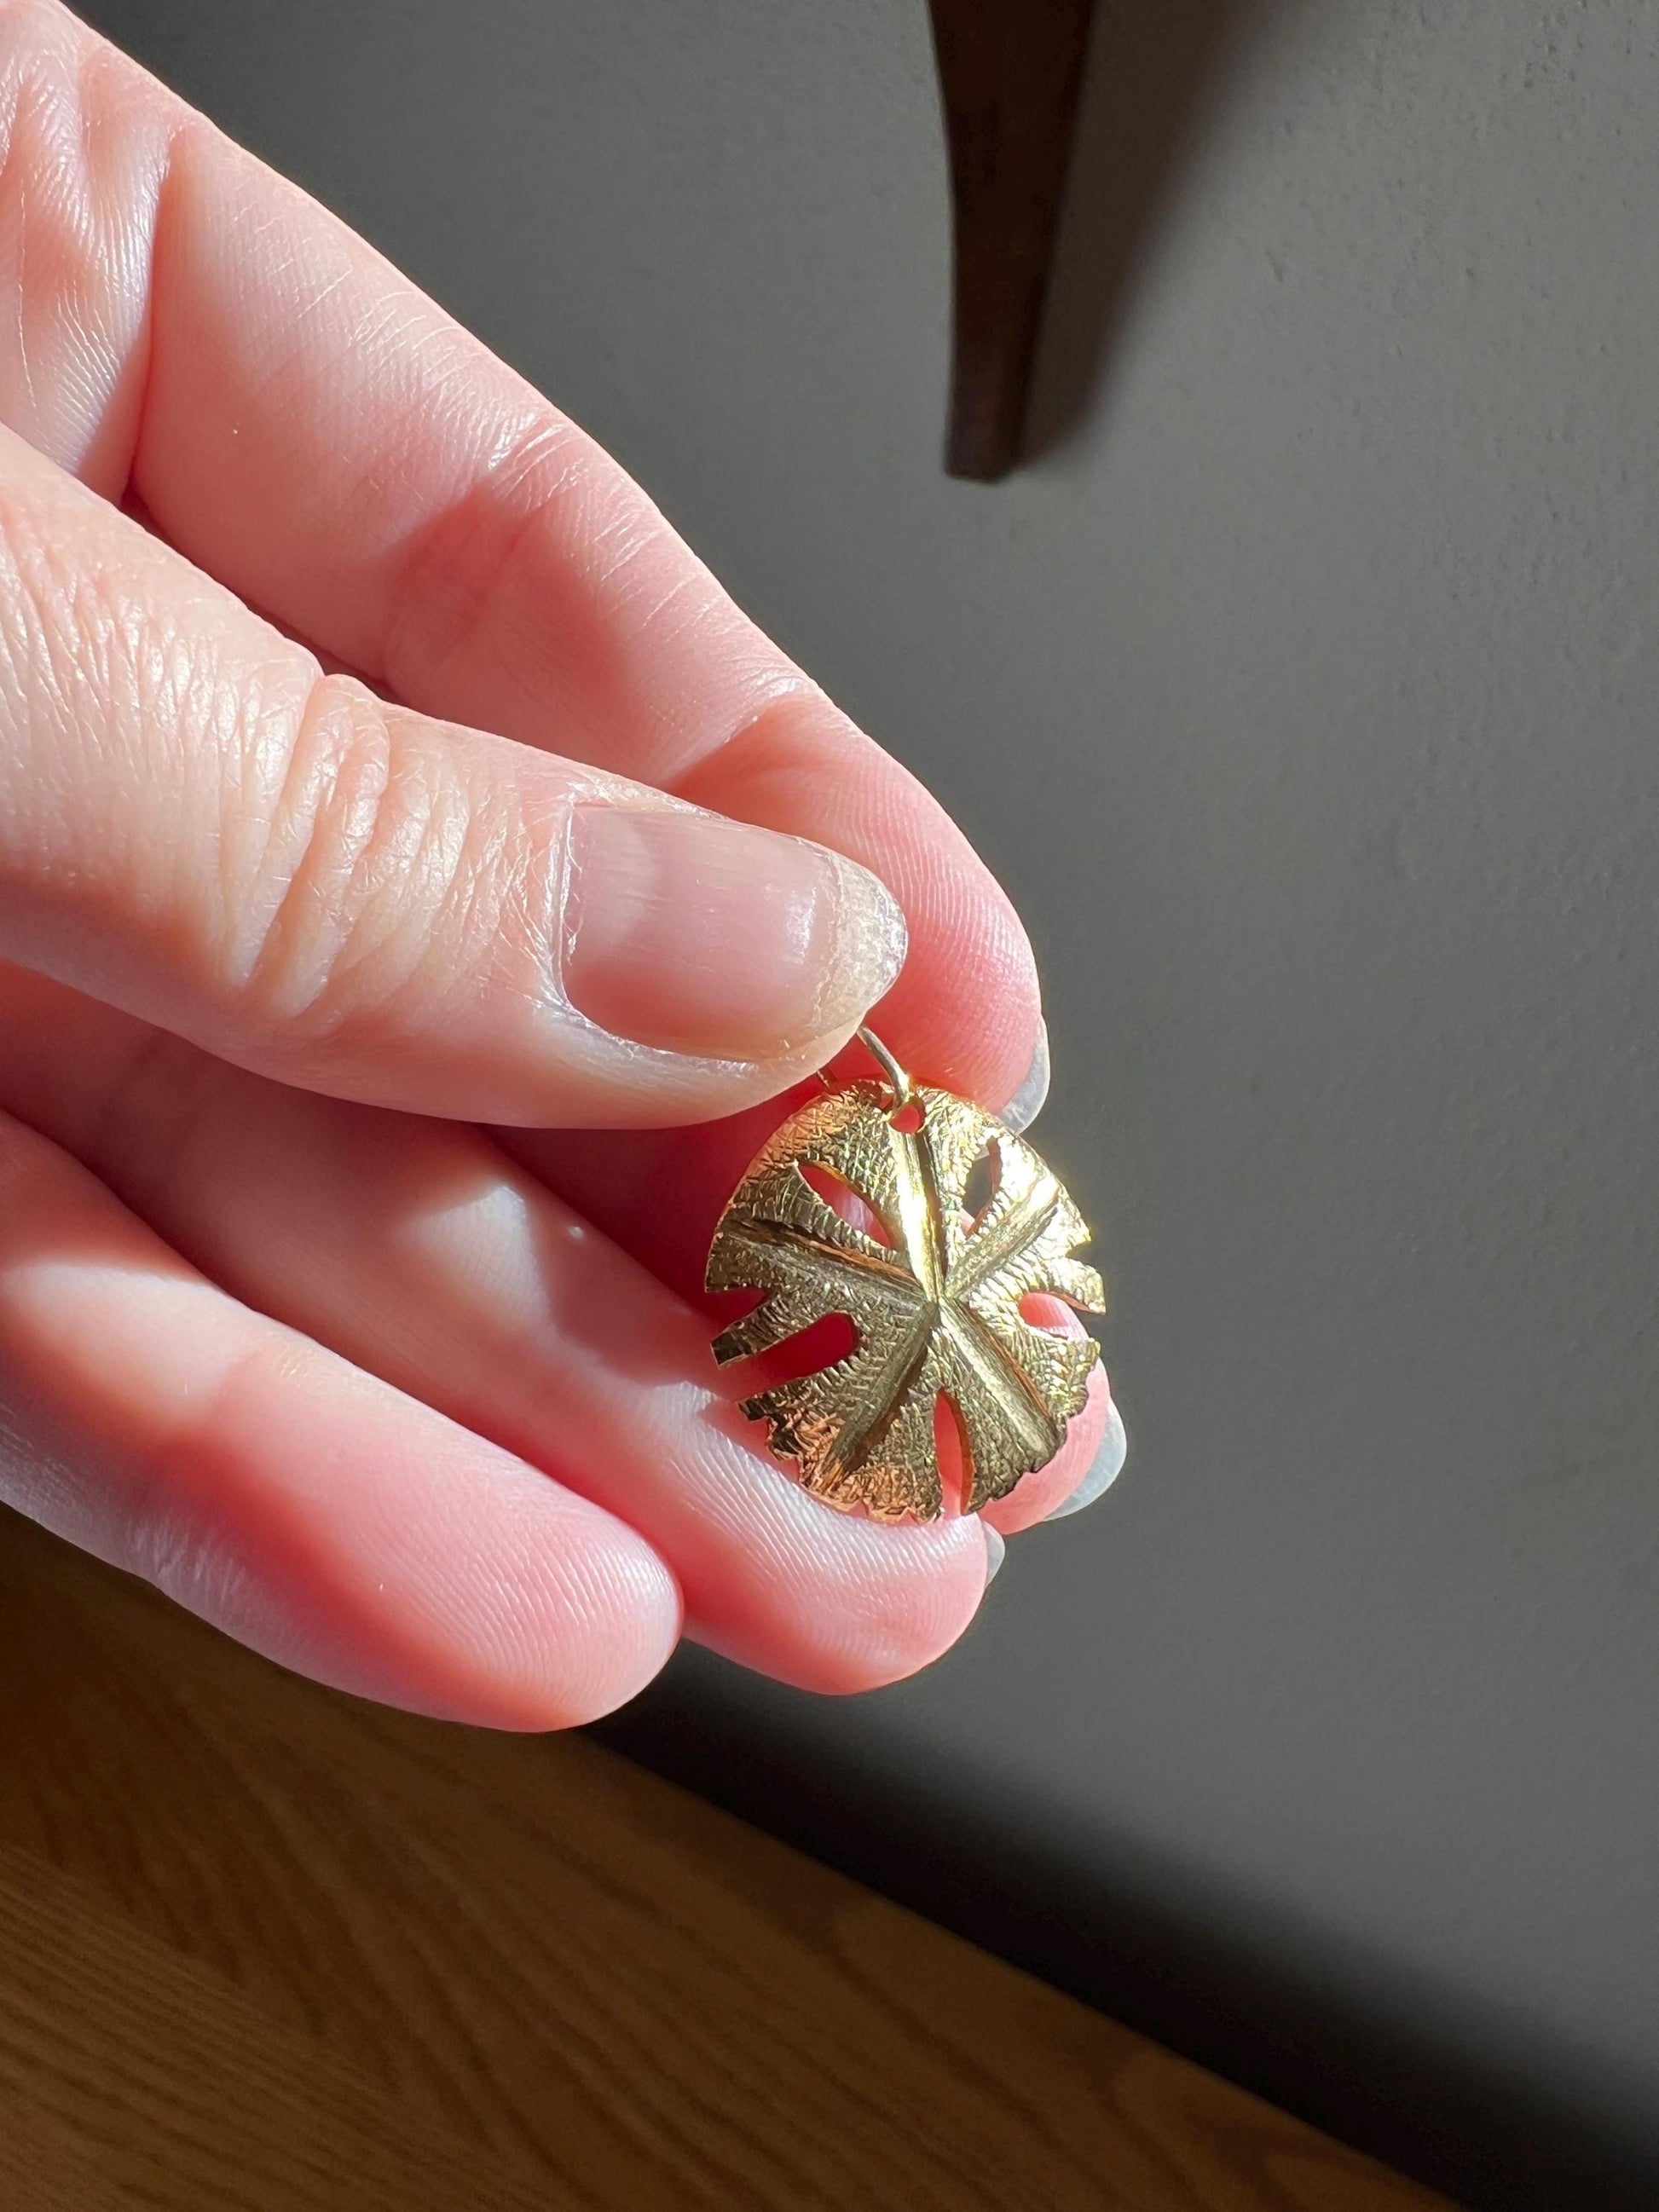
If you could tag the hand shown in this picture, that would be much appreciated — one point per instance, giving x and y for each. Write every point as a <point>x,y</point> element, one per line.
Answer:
<point>425,1411</point>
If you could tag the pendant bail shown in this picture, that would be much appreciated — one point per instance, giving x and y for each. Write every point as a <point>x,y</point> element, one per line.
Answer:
<point>898,1081</point>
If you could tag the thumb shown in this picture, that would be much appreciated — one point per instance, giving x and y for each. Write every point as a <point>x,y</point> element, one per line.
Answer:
<point>200,827</point>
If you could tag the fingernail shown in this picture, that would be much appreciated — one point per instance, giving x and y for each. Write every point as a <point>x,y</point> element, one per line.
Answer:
<point>698,935</point>
<point>1103,1469</point>
<point>1026,1104</point>
<point>996,1551</point>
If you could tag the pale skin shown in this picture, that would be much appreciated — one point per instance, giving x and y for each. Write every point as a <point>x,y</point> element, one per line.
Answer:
<point>373,1005</point>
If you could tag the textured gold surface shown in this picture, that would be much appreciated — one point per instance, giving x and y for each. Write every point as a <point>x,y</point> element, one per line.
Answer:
<point>935,1311</point>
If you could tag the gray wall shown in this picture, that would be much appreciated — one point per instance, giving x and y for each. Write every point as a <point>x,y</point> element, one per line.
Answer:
<point>1306,693</point>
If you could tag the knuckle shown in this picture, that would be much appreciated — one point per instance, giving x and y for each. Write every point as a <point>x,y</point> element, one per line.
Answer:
<point>376,857</point>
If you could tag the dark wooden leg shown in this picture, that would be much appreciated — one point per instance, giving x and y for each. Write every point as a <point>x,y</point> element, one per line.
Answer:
<point>1009,72</point>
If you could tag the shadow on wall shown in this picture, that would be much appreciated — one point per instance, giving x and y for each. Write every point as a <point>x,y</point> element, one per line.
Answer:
<point>1151,72</point>
<point>1415,2076</point>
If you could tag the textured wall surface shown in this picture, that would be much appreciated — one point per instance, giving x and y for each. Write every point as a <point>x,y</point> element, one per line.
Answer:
<point>1306,693</point>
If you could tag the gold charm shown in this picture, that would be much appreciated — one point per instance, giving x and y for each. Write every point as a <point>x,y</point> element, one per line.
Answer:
<point>936,1306</point>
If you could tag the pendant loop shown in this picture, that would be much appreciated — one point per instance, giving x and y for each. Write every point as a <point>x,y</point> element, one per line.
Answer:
<point>902,1089</point>
<point>898,1081</point>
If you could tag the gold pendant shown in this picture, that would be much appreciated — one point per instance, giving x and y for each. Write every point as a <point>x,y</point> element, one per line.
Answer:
<point>934,1300</point>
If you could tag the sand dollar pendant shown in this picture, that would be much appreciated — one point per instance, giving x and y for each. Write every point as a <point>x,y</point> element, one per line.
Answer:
<point>933,1288</point>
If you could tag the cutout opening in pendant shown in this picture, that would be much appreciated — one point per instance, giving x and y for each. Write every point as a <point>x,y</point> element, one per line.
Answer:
<point>984,1181</point>
<point>845,1200</point>
<point>954,1451</point>
<point>1048,1311</point>
<point>831,1338</point>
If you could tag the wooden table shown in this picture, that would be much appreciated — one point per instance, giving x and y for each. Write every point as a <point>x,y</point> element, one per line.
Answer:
<point>263,1946</point>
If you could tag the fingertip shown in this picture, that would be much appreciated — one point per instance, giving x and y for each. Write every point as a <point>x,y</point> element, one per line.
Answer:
<point>548,1648</point>
<point>699,935</point>
<point>1044,1492</point>
<point>1030,1099</point>
<point>359,1538</point>
<point>1102,1471</point>
<point>964,1012</point>
<point>857,1606</point>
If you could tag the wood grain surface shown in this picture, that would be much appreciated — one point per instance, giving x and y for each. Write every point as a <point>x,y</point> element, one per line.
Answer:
<point>262,1946</point>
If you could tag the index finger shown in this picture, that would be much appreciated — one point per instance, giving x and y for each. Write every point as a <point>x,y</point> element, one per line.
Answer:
<point>301,420</point>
